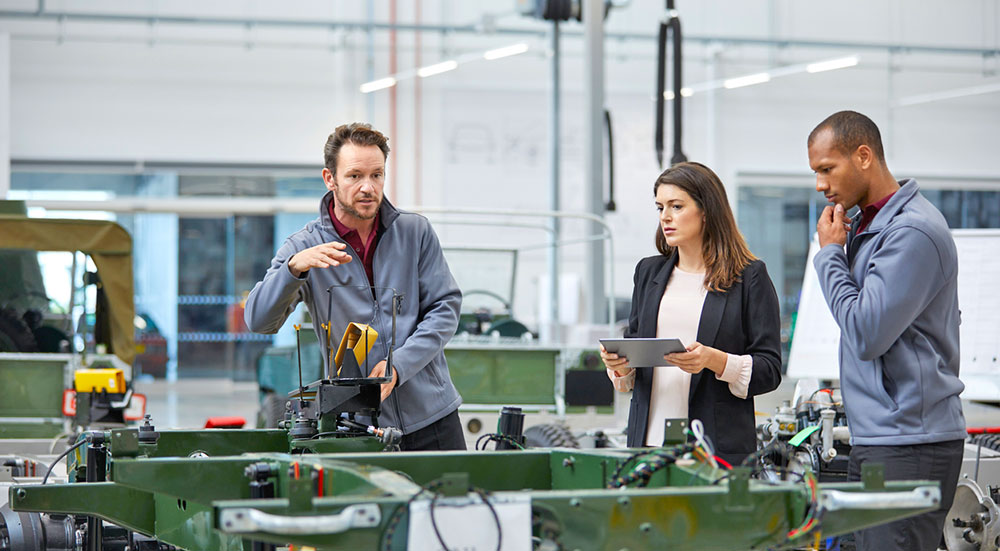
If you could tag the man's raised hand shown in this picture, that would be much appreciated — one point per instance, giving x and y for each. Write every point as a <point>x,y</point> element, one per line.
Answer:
<point>320,256</point>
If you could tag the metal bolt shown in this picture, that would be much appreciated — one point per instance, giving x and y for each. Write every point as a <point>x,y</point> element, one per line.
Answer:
<point>624,501</point>
<point>568,462</point>
<point>645,527</point>
<point>574,502</point>
<point>21,493</point>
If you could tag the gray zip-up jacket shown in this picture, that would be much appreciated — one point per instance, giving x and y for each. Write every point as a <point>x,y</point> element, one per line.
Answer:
<point>408,258</point>
<point>894,294</point>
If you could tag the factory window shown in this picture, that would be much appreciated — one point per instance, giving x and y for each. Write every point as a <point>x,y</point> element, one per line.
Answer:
<point>192,272</point>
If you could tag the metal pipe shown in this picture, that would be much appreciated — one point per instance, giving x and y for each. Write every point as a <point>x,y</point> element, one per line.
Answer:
<point>476,29</point>
<point>418,112</point>
<point>554,158</point>
<point>594,260</point>
<point>214,206</point>
<point>393,102</point>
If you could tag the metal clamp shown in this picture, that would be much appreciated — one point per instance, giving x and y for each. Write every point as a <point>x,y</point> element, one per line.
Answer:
<point>246,520</point>
<point>918,498</point>
<point>124,401</point>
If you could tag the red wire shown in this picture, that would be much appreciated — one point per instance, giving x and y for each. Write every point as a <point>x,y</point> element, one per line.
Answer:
<point>723,462</point>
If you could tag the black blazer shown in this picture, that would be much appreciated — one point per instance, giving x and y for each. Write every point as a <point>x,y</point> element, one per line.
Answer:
<point>742,320</point>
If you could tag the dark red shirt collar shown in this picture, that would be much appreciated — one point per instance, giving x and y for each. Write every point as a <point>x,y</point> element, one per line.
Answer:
<point>868,213</point>
<point>365,250</point>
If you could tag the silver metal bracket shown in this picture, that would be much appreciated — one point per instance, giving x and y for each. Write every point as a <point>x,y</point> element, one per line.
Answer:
<point>924,496</point>
<point>246,521</point>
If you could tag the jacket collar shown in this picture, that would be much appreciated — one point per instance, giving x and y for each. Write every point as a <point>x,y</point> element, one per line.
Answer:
<point>387,214</point>
<point>907,190</point>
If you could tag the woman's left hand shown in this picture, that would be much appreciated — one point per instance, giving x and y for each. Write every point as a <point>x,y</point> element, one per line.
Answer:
<point>698,357</point>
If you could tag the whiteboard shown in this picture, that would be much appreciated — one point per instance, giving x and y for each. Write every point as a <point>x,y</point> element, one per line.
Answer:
<point>815,343</point>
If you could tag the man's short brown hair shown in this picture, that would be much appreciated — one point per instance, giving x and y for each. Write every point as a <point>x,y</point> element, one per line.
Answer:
<point>357,133</point>
<point>850,131</point>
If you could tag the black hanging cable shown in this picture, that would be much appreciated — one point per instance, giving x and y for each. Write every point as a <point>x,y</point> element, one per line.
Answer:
<point>610,205</point>
<point>675,24</point>
<point>61,456</point>
<point>671,24</point>
<point>661,60</point>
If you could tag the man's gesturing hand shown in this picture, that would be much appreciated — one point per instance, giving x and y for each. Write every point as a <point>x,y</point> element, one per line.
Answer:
<point>320,256</point>
<point>832,226</point>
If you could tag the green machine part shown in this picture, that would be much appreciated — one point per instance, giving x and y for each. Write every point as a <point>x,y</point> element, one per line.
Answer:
<point>503,374</point>
<point>31,394</point>
<point>362,500</point>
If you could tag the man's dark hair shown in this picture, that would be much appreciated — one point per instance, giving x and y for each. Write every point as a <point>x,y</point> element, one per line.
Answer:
<point>850,131</point>
<point>357,133</point>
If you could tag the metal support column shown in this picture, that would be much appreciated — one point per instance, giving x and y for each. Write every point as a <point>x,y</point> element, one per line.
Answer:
<point>593,46</point>
<point>554,138</point>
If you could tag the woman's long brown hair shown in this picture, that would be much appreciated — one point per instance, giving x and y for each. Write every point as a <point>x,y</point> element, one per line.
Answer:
<point>723,248</point>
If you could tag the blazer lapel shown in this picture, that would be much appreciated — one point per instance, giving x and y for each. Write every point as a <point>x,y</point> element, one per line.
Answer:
<point>708,327</point>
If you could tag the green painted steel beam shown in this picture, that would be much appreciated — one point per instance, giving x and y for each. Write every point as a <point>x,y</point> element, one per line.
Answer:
<point>217,442</point>
<point>128,507</point>
<point>187,501</point>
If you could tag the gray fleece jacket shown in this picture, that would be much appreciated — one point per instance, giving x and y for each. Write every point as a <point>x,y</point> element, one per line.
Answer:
<point>894,294</point>
<point>408,258</point>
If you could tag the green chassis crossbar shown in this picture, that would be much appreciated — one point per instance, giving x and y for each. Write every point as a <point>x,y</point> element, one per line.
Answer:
<point>203,503</point>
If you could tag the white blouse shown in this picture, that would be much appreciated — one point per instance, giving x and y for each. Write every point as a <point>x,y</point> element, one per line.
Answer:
<point>678,317</point>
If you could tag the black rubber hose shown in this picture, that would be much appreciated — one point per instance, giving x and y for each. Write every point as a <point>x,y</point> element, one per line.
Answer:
<point>610,205</point>
<point>58,459</point>
<point>661,61</point>
<point>675,28</point>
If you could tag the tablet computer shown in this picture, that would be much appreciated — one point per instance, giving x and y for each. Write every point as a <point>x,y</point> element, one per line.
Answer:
<point>643,352</point>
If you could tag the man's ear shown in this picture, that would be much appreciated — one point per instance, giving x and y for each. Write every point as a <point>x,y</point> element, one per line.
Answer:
<point>329,179</point>
<point>864,157</point>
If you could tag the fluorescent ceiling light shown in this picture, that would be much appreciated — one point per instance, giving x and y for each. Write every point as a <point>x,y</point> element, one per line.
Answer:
<point>379,84</point>
<point>437,68</point>
<point>506,51</point>
<point>444,66</point>
<point>749,80</point>
<point>839,63</point>
<point>949,94</point>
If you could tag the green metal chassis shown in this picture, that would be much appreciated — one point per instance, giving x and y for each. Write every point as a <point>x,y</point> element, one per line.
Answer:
<point>182,489</point>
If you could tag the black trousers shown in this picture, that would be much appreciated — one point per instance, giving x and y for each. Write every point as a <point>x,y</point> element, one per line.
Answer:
<point>443,434</point>
<point>939,461</point>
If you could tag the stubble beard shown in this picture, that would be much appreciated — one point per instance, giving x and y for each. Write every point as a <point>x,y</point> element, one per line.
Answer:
<point>349,207</point>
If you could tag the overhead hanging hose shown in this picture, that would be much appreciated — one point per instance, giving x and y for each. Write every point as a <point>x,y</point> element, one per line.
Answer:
<point>670,25</point>
<point>610,205</point>
<point>661,60</point>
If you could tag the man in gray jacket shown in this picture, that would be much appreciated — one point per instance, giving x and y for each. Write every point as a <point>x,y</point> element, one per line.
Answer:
<point>346,264</point>
<point>894,294</point>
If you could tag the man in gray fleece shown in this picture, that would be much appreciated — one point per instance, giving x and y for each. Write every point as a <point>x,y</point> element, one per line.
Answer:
<point>894,294</point>
<point>345,265</point>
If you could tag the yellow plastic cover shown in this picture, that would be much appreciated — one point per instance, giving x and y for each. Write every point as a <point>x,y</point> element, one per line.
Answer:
<point>108,379</point>
<point>358,337</point>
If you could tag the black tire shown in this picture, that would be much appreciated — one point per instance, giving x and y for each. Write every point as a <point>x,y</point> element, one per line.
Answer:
<point>990,441</point>
<point>272,411</point>
<point>549,435</point>
<point>18,335</point>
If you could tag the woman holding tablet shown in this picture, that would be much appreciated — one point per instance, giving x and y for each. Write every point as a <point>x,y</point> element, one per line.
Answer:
<point>706,289</point>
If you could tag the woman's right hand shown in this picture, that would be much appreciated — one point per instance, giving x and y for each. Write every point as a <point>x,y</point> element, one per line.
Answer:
<point>613,362</point>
